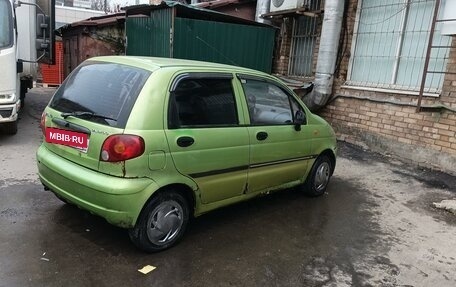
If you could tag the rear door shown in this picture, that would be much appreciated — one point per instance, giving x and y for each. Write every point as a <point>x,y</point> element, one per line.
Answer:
<point>279,152</point>
<point>206,141</point>
<point>93,103</point>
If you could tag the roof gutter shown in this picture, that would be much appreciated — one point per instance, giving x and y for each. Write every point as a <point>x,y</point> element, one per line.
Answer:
<point>327,55</point>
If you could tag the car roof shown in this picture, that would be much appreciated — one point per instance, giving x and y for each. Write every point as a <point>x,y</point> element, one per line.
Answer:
<point>155,63</point>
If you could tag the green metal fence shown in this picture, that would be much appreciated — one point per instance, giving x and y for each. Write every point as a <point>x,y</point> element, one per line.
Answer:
<point>235,44</point>
<point>150,36</point>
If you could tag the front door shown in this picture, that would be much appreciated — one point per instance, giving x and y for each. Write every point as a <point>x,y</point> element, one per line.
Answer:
<point>206,141</point>
<point>279,150</point>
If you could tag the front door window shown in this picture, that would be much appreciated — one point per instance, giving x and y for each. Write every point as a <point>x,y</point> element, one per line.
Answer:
<point>269,104</point>
<point>6,24</point>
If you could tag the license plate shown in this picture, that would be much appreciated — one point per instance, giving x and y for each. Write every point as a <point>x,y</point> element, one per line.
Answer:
<point>72,139</point>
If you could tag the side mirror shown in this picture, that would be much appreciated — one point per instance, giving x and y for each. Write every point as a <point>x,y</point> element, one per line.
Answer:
<point>300,118</point>
<point>45,37</point>
<point>42,26</point>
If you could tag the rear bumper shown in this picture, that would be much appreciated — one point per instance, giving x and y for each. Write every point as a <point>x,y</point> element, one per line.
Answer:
<point>118,200</point>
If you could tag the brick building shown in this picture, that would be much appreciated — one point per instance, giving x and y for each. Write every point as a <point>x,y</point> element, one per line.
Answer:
<point>382,51</point>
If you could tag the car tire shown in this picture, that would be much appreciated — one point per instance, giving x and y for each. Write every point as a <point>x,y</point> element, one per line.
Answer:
<point>318,179</point>
<point>162,223</point>
<point>10,128</point>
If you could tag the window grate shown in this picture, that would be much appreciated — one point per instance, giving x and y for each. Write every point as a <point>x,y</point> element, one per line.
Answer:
<point>302,46</point>
<point>390,41</point>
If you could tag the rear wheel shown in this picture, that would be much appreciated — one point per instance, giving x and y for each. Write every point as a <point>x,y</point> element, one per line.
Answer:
<point>162,223</point>
<point>318,179</point>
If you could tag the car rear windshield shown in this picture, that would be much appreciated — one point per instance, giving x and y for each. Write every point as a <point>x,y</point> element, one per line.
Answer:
<point>108,91</point>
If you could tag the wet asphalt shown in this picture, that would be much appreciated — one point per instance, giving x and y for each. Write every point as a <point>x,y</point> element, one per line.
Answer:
<point>351,236</point>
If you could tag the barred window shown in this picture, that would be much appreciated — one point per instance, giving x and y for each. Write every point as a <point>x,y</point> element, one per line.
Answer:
<point>302,46</point>
<point>390,42</point>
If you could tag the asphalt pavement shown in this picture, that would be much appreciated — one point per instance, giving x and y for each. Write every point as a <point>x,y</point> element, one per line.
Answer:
<point>36,100</point>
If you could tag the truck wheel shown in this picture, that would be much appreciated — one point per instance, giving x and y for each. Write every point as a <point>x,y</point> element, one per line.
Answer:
<point>162,222</point>
<point>318,178</point>
<point>10,128</point>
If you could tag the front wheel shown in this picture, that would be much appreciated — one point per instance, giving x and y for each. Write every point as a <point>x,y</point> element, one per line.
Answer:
<point>162,223</point>
<point>318,179</point>
<point>10,128</point>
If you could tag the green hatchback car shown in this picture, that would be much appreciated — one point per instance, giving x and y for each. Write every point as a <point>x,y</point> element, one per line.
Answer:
<point>148,143</point>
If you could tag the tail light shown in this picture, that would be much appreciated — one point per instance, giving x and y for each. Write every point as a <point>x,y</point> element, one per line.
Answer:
<point>43,123</point>
<point>121,147</point>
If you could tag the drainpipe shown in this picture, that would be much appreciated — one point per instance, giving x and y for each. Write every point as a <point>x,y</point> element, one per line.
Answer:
<point>262,8</point>
<point>327,55</point>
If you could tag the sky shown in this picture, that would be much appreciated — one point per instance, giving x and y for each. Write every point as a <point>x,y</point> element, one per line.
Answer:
<point>123,3</point>
<point>128,2</point>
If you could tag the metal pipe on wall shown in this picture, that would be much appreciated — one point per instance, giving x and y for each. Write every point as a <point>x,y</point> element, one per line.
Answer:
<point>327,55</point>
<point>262,8</point>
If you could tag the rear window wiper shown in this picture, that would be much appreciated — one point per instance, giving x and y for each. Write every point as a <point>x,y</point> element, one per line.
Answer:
<point>85,114</point>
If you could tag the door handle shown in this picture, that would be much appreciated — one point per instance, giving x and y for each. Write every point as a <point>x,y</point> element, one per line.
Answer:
<point>261,136</point>
<point>185,141</point>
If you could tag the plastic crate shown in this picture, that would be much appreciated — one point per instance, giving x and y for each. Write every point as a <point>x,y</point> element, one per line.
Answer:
<point>53,74</point>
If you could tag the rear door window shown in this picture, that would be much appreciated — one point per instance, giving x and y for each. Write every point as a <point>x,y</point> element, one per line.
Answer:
<point>203,102</point>
<point>108,91</point>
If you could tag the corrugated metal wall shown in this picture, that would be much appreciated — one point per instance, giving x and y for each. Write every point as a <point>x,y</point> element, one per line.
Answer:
<point>150,36</point>
<point>234,44</point>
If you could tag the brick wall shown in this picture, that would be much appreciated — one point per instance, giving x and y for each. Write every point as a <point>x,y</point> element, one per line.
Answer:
<point>388,122</point>
<point>283,46</point>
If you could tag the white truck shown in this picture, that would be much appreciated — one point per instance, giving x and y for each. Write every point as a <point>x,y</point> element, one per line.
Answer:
<point>26,38</point>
